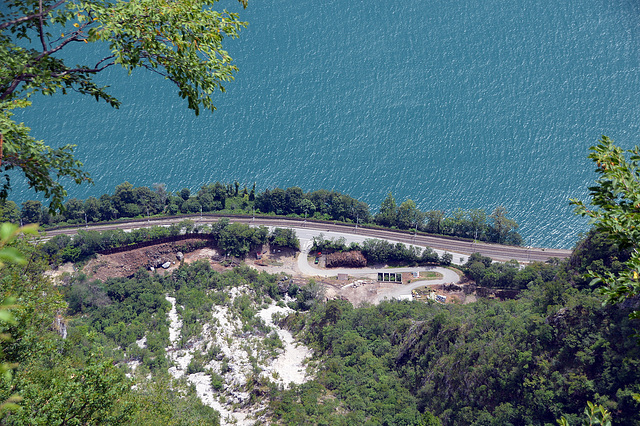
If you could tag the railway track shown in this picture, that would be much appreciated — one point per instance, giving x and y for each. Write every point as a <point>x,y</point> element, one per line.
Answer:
<point>495,251</point>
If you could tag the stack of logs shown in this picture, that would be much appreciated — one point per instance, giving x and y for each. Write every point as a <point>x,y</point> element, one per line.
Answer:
<point>351,259</point>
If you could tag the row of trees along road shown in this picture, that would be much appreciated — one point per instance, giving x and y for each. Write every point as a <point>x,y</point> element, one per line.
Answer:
<point>236,239</point>
<point>128,201</point>
<point>474,223</point>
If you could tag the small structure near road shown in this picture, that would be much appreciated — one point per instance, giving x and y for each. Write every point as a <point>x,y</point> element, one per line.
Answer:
<point>390,277</point>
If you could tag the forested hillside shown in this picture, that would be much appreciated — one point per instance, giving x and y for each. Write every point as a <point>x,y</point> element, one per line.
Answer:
<point>66,374</point>
<point>526,361</point>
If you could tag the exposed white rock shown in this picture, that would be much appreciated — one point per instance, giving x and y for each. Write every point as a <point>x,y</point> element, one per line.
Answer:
<point>142,343</point>
<point>175,323</point>
<point>289,365</point>
<point>235,347</point>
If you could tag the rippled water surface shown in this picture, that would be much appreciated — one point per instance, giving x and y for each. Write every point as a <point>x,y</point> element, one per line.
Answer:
<point>450,103</point>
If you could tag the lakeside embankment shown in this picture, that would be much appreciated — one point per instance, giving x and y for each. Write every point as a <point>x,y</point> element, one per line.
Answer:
<point>456,246</point>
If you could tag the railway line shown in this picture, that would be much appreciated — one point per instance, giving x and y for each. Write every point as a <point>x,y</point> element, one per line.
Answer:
<point>455,246</point>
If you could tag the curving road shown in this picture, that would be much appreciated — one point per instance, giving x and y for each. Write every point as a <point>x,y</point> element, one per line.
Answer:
<point>448,276</point>
<point>308,229</point>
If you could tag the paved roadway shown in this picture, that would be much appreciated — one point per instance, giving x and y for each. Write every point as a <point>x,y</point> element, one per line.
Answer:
<point>397,292</point>
<point>308,229</point>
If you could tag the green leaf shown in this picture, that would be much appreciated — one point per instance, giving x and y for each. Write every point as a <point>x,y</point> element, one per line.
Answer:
<point>7,231</point>
<point>9,254</point>
<point>6,316</point>
<point>32,228</point>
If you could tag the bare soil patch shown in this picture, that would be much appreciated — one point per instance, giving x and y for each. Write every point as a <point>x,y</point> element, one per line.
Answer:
<point>57,273</point>
<point>452,293</point>
<point>358,291</point>
<point>126,264</point>
<point>274,260</point>
<point>278,260</point>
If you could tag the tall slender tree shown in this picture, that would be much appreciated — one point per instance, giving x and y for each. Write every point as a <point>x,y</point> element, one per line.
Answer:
<point>388,214</point>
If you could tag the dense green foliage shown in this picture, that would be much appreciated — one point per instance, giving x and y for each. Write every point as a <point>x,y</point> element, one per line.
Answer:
<point>129,202</point>
<point>595,252</point>
<point>383,252</point>
<point>54,384</point>
<point>284,237</point>
<point>123,311</point>
<point>321,204</point>
<point>237,239</point>
<point>508,275</point>
<point>474,223</point>
<point>526,361</point>
<point>233,239</point>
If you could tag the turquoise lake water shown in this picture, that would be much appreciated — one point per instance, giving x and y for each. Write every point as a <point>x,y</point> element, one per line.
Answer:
<point>451,103</point>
